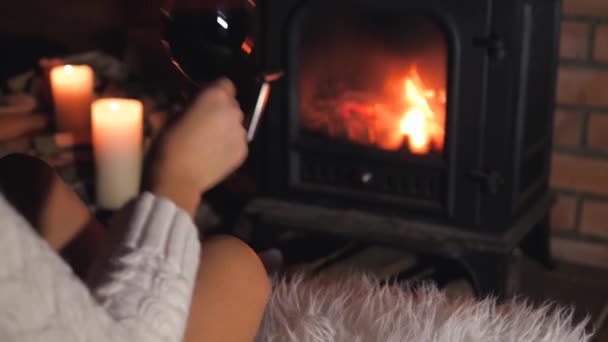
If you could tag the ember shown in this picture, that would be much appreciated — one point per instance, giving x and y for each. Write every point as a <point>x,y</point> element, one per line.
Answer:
<point>415,121</point>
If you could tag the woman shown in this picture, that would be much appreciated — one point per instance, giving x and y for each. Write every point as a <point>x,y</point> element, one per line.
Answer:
<point>148,282</point>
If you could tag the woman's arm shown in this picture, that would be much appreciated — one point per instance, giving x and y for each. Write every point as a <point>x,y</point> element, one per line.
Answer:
<point>142,286</point>
<point>143,292</point>
<point>147,275</point>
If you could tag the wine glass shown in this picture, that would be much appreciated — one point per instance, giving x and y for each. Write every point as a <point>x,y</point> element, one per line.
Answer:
<point>210,39</point>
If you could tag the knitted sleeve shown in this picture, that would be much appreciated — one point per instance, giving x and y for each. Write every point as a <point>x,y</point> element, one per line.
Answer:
<point>141,292</point>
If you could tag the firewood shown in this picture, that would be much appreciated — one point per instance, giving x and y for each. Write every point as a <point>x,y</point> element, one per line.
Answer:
<point>17,145</point>
<point>13,126</point>
<point>13,104</point>
<point>61,160</point>
<point>55,143</point>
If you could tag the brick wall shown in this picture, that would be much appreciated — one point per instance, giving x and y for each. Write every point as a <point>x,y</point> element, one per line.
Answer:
<point>580,162</point>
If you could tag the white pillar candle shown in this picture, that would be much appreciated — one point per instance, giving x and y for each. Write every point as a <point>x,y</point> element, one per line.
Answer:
<point>118,148</point>
<point>72,87</point>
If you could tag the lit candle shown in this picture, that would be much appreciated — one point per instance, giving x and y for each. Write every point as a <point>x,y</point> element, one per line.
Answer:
<point>118,148</point>
<point>72,87</point>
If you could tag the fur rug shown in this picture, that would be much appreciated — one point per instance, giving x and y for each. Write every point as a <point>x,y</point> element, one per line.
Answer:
<point>357,309</point>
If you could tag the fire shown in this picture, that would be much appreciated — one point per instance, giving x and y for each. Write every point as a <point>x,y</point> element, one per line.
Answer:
<point>423,126</point>
<point>412,117</point>
<point>414,126</point>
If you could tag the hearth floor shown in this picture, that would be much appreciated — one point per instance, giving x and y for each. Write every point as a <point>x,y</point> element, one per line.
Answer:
<point>584,288</point>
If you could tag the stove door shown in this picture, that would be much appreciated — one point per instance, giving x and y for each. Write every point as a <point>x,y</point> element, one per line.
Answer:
<point>383,101</point>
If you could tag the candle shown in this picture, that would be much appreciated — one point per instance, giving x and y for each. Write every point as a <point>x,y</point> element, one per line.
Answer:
<point>72,88</point>
<point>118,149</point>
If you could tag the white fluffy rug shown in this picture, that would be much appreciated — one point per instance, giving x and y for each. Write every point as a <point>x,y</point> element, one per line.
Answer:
<point>357,309</point>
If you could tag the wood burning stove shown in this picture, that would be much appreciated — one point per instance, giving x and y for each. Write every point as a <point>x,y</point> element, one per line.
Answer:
<point>424,124</point>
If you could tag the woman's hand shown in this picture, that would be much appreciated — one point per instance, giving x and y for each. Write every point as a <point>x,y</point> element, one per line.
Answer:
<point>201,148</point>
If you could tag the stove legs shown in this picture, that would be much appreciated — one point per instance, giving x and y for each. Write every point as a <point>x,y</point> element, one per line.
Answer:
<point>537,244</point>
<point>491,261</point>
<point>489,272</point>
<point>496,273</point>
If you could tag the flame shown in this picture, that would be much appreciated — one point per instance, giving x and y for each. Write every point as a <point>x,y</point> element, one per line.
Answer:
<point>411,117</point>
<point>423,126</point>
<point>414,126</point>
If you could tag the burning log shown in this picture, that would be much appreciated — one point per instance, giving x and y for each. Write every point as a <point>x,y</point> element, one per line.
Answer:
<point>416,120</point>
<point>357,117</point>
<point>14,126</point>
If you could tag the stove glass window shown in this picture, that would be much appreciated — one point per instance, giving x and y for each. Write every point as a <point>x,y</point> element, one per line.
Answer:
<point>374,79</point>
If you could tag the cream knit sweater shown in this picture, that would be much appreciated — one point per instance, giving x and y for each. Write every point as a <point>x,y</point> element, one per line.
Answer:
<point>141,292</point>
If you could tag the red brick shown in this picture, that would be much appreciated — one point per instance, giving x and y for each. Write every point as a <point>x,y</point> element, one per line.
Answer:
<point>601,44</point>
<point>573,43</point>
<point>563,213</point>
<point>594,218</point>
<point>579,174</point>
<point>597,137</point>
<point>598,8</point>
<point>567,128</point>
<point>583,86</point>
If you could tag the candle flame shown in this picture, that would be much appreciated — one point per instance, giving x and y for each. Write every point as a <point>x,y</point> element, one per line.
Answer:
<point>68,69</point>
<point>116,112</point>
